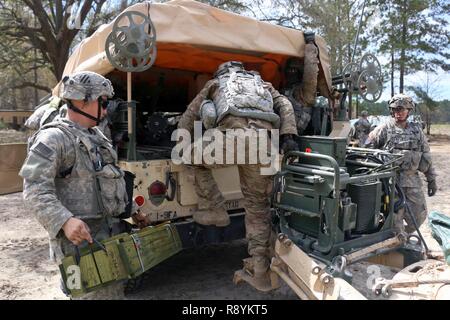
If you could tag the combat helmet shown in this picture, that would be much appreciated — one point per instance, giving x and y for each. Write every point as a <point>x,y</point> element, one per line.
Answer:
<point>401,100</point>
<point>293,72</point>
<point>228,67</point>
<point>86,86</point>
<point>364,113</point>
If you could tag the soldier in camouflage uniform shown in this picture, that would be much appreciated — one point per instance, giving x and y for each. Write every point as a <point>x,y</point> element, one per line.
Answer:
<point>362,129</point>
<point>295,81</point>
<point>301,83</point>
<point>72,183</point>
<point>239,111</point>
<point>401,136</point>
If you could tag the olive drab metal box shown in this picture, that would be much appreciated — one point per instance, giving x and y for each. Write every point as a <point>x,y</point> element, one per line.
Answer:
<point>334,147</point>
<point>121,257</point>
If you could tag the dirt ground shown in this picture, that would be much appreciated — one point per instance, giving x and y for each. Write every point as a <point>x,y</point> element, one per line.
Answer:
<point>202,273</point>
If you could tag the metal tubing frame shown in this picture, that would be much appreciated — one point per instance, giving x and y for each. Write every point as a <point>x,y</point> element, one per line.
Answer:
<point>333,162</point>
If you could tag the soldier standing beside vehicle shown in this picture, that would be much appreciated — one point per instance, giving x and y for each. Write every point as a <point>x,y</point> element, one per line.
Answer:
<point>72,183</point>
<point>362,128</point>
<point>402,136</point>
<point>254,105</point>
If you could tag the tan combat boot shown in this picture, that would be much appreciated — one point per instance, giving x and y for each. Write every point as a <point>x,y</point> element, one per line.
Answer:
<point>257,274</point>
<point>217,216</point>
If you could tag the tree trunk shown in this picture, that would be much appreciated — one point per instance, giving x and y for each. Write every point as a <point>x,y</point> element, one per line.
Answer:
<point>60,64</point>
<point>54,43</point>
<point>357,111</point>
<point>14,100</point>
<point>392,71</point>
<point>403,45</point>
<point>339,44</point>
<point>35,75</point>
<point>123,5</point>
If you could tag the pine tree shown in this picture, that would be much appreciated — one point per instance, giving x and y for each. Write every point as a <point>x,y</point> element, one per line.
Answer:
<point>337,21</point>
<point>412,33</point>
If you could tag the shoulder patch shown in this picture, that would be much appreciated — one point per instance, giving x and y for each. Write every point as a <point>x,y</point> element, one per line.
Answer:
<point>43,150</point>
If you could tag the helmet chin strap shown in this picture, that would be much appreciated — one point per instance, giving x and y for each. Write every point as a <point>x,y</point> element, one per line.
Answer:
<point>77,110</point>
<point>99,113</point>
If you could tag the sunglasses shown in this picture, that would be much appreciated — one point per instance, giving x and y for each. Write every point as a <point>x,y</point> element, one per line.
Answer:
<point>401,109</point>
<point>103,103</point>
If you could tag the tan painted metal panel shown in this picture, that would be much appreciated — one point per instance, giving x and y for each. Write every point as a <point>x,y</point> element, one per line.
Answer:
<point>185,202</point>
<point>12,157</point>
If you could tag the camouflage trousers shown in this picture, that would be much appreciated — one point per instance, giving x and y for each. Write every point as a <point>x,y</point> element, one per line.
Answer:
<point>100,230</point>
<point>416,202</point>
<point>255,188</point>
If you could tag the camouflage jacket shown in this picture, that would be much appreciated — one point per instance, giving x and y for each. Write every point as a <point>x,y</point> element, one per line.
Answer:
<point>71,171</point>
<point>413,144</point>
<point>281,105</point>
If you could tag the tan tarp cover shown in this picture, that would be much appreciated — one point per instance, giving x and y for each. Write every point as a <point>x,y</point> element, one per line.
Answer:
<point>11,160</point>
<point>185,29</point>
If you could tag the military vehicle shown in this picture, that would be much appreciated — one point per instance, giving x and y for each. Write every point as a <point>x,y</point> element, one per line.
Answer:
<point>189,50</point>
<point>332,205</point>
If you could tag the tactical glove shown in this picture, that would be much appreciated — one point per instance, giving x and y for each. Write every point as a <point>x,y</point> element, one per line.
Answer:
<point>288,144</point>
<point>432,188</point>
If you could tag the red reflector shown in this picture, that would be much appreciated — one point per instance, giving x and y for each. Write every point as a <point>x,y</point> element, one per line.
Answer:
<point>308,150</point>
<point>157,188</point>
<point>140,200</point>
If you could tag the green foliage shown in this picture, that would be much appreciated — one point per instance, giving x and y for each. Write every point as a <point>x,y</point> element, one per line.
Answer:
<point>423,99</point>
<point>441,114</point>
<point>35,42</point>
<point>412,33</point>
<point>336,21</point>
<point>375,108</point>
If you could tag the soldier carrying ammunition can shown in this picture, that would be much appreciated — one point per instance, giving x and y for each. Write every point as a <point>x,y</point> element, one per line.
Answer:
<point>72,183</point>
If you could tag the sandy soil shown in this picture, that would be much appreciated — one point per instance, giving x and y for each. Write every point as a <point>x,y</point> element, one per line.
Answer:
<point>202,273</point>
